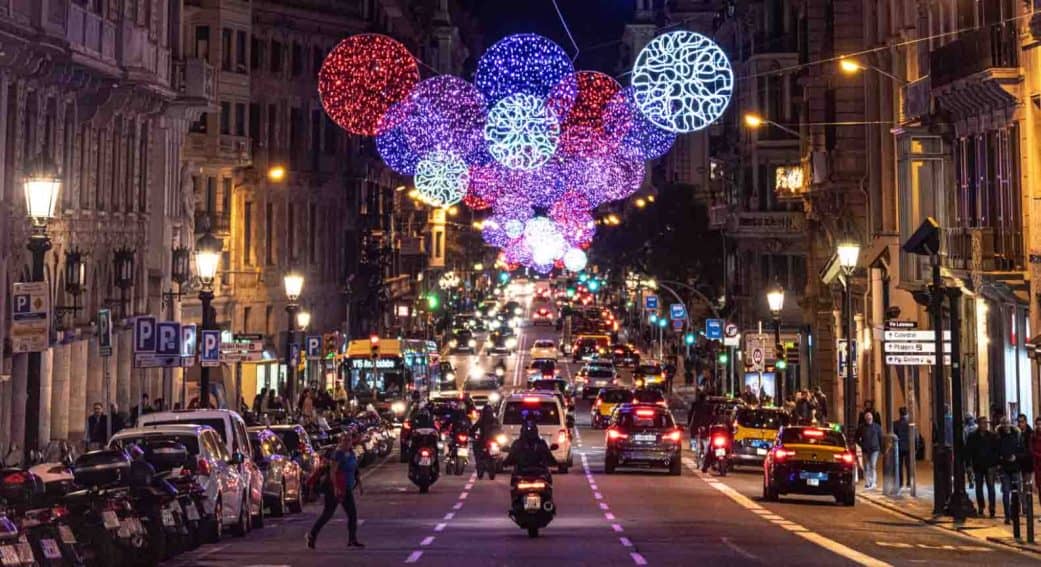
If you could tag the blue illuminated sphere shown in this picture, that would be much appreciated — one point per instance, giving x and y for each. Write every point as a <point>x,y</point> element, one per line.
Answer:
<point>638,137</point>
<point>522,132</point>
<point>682,81</point>
<point>441,178</point>
<point>448,114</point>
<point>521,64</point>
<point>391,142</point>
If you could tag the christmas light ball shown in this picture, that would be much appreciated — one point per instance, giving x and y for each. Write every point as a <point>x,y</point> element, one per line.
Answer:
<point>575,260</point>
<point>494,234</point>
<point>513,228</point>
<point>391,143</point>
<point>639,138</point>
<point>475,203</point>
<point>582,131</point>
<point>522,132</point>
<point>522,64</point>
<point>543,238</point>
<point>446,113</point>
<point>362,77</point>
<point>574,220</point>
<point>516,252</point>
<point>682,81</point>
<point>441,178</point>
<point>603,178</point>
<point>543,269</point>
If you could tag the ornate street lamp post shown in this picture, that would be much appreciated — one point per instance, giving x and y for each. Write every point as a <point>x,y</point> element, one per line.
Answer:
<point>775,298</point>
<point>207,257</point>
<point>294,284</point>
<point>848,252</point>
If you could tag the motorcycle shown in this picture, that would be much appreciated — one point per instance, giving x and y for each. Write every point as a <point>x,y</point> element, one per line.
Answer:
<point>459,449</point>
<point>423,463</point>
<point>532,497</point>
<point>15,550</point>
<point>41,522</point>
<point>488,457</point>
<point>103,512</point>
<point>719,444</point>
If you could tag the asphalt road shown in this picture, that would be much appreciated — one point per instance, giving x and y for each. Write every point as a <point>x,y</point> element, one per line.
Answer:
<point>637,518</point>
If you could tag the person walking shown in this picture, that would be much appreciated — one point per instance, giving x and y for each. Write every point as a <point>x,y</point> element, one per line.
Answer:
<point>1035,455</point>
<point>967,429</point>
<point>1025,457</point>
<point>869,408</point>
<point>902,430</point>
<point>258,400</point>
<point>981,448</point>
<point>97,427</point>
<point>1009,449</point>
<point>822,405</point>
<point>869,437</point>
<point>338,487</point>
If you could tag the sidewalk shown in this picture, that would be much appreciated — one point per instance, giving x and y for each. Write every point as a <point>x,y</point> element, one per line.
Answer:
<point>920,507</point>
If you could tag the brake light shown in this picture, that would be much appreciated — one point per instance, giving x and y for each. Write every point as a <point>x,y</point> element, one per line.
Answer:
<point>814,433</point>
<point>846,458</point>
<point>645,413</point>
<point>562,436</point>
<point>535,485</point>
<point>719,441</point>
<point>532,400</point>
<point>424,452</point>
<point>675,436</point>
<point>781,453</point>
<point>662,403</point>
<point>615,434</point>
<point>203,467</point>
<point>598,402</point>
<point>462,437</point>
<point>59,511</point>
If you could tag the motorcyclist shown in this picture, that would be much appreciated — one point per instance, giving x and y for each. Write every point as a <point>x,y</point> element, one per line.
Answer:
<point>529,454</point>
<point>719,428</point>
<point>485,426</point>
<point>701,418</point>
<point>423,431</point>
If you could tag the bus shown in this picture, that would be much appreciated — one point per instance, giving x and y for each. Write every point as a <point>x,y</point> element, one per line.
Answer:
<point>387,380</point>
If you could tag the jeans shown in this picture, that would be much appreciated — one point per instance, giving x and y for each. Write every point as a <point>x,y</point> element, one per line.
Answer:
<point>1009,481</point>
<point>870,469</point>
<point>330,508</point>
<point>982,477</point>
<point>905,468</point>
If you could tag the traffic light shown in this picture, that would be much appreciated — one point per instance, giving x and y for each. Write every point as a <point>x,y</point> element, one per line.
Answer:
<point>329,341</point>
<point>582,276</point>
<point>781,364</point>
<point>504,277</point>
<point>433,301</point>
<point>654,318</point>
<point>782,356</point>
<point>594,285</point>
<point>723,358</point>
<point>688,338</point>
<point>374,344</point>
<point>662,322</point>
<point>571,292</point>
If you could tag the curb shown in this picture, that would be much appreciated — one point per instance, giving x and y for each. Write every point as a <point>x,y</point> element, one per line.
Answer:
<point>1006,542</point>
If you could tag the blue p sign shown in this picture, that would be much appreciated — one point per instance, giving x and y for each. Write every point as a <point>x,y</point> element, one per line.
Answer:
<point>314,346</point>
<point>168,335</point>
<point>144,334</point>
<point>210,351</point>
<point>22,303</point>
<point>187,340</point>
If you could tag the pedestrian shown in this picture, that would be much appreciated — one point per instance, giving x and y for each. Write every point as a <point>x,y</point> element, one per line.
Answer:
<point>869,407</point>
<point>1009,448</point>
<point>981,448</point>
<point>1025,456</point>
<point>97,427</point>
<point>259,400</point>
<point>822,405</point>
<point>338,488</point>
<point>902,430</point>
<point>803,408</point>
<point>305,406</point>
<point>1035,455</point>
<point>869,437</point>
<point>967,429</point>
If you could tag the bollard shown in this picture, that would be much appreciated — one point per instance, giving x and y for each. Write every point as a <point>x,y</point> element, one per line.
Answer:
<point>1014,507</point>
<point>1028,497</point>
<point>891,466</point>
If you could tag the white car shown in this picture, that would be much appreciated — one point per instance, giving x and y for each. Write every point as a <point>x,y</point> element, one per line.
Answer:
<point>544,348</point>
<point>232,431</point>
<point>215,472</point>
<point>551,421</point>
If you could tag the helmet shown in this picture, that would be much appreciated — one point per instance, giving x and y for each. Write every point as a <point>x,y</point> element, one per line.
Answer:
<point>529,431</point>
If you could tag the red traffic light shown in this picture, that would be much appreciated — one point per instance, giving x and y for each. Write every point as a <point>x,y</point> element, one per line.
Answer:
<point>374,340</point>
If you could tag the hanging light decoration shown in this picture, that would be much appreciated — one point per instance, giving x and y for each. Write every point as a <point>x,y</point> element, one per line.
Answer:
<point>441,178</point>
<point>582,131</point>
<point>446,113</point>
<point>522,132</point>
<point>362,77</point>
<point>391,142</point>
<point>639,138</point>
<point>575,260</point>
<point>543,238</point>
<point>524,64</point>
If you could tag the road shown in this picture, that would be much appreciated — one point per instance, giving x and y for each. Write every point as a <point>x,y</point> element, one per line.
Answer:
<point>637,518</point>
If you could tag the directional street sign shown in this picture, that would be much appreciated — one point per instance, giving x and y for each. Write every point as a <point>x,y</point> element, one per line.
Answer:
<point>677,311</point>
<point>913,336</point>
<point>714,329</point>
<point>906,346</point>
<point>915,359</point>
<point>914,347</point>
<point>843,357</point>
<point>30,317</point>
<point>105,332</point>
<point>650,302</point>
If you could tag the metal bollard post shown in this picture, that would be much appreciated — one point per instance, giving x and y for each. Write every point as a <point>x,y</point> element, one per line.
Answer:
<point>1028,493</point>
<point>891,466</point>
<point>1014,501</point>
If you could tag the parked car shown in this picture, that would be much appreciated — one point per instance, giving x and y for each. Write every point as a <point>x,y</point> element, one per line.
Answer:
<point>283,487</point>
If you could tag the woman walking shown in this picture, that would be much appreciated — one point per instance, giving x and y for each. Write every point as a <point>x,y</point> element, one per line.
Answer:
<point>337,484</point>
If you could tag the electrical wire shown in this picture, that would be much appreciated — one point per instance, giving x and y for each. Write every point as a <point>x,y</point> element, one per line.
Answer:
<point>567,29</point>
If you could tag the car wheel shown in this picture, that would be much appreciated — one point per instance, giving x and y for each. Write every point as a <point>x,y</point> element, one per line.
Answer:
<point>257,521</point>
<point>562,469</point>
<point>609,464</point>
<point>278,509</point>
<point>676,468</point>
<point>769,492</point>
<point>848,498</point>
<point>216,532</point>
<point>242,526</point>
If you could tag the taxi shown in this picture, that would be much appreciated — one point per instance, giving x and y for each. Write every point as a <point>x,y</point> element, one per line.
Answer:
<point>755,430</point>
<point>649,374</point>
<point>810,460</point>
<point>606,401</point>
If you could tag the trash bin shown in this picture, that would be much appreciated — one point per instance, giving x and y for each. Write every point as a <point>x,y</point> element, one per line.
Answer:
<point>891,465</point>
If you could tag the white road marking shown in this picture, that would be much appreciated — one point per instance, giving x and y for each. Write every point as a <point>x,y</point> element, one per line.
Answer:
<point>638,559</point>
<point>440,527</point>
<point>457,506</point>
<point>603,506</point>
<point>625,542</point>
<point>449,515</point>
<point>617,528</point>
<point>609,516</point>
<point>738,550</point>
<point>427,541</point>
<point>463,495</point>
<point>414,556</point>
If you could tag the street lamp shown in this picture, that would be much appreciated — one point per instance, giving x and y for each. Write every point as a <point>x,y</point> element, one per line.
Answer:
<point>123,264</point>
<point>775,297</point>
<point>303,320</point>
<point>756,121</point>
<point>850,66</point>
<point>294,284</point>
<point>207,257</point>
<point>276,173</point>
<point>848,252</point>
<point>42,185</point>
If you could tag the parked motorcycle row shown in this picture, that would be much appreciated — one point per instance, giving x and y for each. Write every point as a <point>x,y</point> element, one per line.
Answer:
<point>159,490</point>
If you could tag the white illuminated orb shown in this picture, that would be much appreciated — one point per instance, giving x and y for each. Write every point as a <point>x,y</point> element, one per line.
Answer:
<point>522,132</point>
<point>543,238</point>
<point>575,260</point>
<point>682,81</point>
<point>441,178</point>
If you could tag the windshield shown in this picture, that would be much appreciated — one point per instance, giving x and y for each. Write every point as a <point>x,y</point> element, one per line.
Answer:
<point>545,413</point>
<point>544,344</point>
<point>801,435</point>
<point>481,384</point>
<point>600,373</point>
<point>649,369</point>
<point>617,396</point>
<point>549,385</point>
<point>190,442</point>
<point>289,437</point>
<point>216,424</point>
<point>648,396</point>
<point>646,419</point>
<point>543,364</point>
<point>761,419</point>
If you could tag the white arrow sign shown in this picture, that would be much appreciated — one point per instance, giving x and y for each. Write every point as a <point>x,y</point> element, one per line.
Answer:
<point>915,359</point>
<point>922,336</point>
<point>915,347</point>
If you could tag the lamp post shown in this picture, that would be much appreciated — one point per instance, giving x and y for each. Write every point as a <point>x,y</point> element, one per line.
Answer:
<point>294,284</point>
<point>180,271</point>
<point>42,184</point>
<point>207,257</point>
<point>75,279</point>
<point>303,319</point>
<point>775,298</point>
<point>848,252</point>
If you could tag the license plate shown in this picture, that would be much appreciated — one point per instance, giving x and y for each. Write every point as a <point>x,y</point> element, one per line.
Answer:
<point>50,548</point>
<point>25,552</point>
<point>9,555</point>
<point>813,482</point>
<point>67,537</point>
<point>462,451</point>
<point>168,518</point>
<point>646,438</point>
<point>760,451</point>
<point>532,502</point>
<point>818,476</point>
<point>424,461</point>
<point>191,512</point>
<point>721,452</point>
<point>110,519</point>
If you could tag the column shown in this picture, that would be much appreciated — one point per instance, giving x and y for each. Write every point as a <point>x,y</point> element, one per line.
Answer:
<point>46,382</point>
<point>94,392</point>
<point>122,353</point>
<point>60,392</point>
<point>78,389</point>
<point>19,398</point>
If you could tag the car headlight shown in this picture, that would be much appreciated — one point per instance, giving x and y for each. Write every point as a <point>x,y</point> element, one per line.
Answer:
<point>452,343</point>
<point>502,439</point>
<point>494,397</point>
<point>499,371</point>
<point>518,311</point>
<point>450,376</point>
<point>398,408</point>
<point>511,342</point>
<point>471,343</point>
<point>488,344</point>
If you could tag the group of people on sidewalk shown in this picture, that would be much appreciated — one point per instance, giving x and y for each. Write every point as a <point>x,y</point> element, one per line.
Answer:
<point>1012,453</point>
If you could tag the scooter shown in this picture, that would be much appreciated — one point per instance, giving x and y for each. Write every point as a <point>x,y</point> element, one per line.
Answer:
<point>532,497</point>
<point>487,457</point>
<point>423,468</point>
<point>458,451</point>
<point>15,550</point>
<point>720,445</point>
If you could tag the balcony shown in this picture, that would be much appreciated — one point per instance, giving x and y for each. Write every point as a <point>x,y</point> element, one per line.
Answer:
<point>142,56</point>
<point>993,47</point>
<point>193,78</point>
<point>219,222</point>
<point>90,34</point>
<point>220,149</point>
<point>984,249</point>
<point>916,98</point>
<point>771,224</point>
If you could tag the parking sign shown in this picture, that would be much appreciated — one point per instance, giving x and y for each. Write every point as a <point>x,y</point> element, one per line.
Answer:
<point>714,329</point>
<point>677,311</point>
<point>168,338</point>
<point>651,302</point>
<point>209,352</point>
<point>144,334</point>
<point>314,347</point>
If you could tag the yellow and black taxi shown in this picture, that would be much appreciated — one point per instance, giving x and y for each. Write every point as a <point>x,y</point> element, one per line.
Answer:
<point>643,435</point>
<point>810,460</point>
<point>606,401</point>
<point>649,374</point>
<point>755,430</point>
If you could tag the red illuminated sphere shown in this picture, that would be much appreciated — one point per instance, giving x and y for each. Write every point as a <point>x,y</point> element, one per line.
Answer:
<point>583,131</point>
<point>362,77</point>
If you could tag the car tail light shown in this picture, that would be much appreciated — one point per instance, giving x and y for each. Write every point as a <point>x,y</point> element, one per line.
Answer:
<point>532,400</point>
<point>203,467</point>
<point>846,458</point>
<point>598,402</point>
<point>534,485</point>
<point>59,511</point>
<point>562,436</point>
<point>407,424</point>
<point>675,436</point>
<point>615,434</point>
<point>462,437</point>
<point>814,433</point>
<point>781,453</point>
<point>645,413</point>
<point>424,452</point>
<point>719,441</point>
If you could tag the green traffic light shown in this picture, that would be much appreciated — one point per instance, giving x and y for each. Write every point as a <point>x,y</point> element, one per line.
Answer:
<point>571,292</point>
<point>433,301</point>
<point>594,285</point>
<point>724,358</point>
<point>582,277</point>
<point>504,277</point>
<point>689,338</point>
<point>654,319</point>
<point>662,322</point>
<point>781,364</point>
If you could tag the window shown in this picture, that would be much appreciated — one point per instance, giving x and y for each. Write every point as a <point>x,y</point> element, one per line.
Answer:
<point>211,194</point>
<point>247,234</point>
<point>317,56</point>
<point>225,47</point>
<point>269,319</point>
<point>269,241</point>
<point>254,122</point>
<point>272,126</point>
<point>199,126</point>
<point>202,42</point>
<point>256,53</point>
<point>296,135</point>
<point>331,137</point>
<point>225,117</point>
<point>291,218</point>
<point>240,119</point>
<point>240,51</point>
<point>312,229</point>
<point>247,314</point>
<point>298,59</point>
<point>276,57</point>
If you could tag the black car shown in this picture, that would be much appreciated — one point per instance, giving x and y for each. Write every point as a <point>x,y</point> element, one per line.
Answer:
<point>625,355</point>
<point>500,342</point>
<point>462,340</point>
<point>643,435</point>
<point>810,460</point>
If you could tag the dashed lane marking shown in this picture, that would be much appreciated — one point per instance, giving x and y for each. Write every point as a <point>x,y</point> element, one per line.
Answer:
<point>449,515</point>
<point>617,528</point>
<point>638,559</point>
<point>414,557</point>
<point>457,506</point>
<point>625,542</point>
<point>427,541</point>
<point>738,549</point>
<point>440,527</point>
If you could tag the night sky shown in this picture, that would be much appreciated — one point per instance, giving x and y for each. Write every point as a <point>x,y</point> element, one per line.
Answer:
<point>592,22</point>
